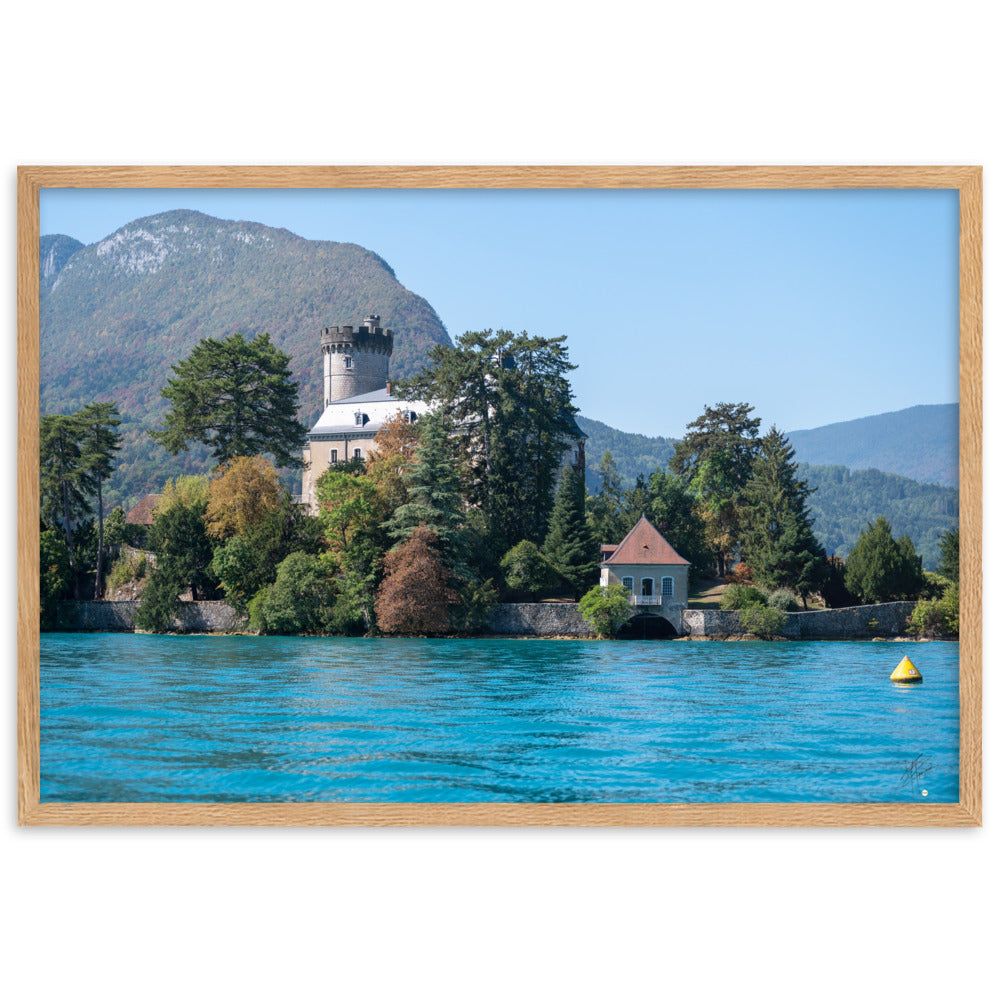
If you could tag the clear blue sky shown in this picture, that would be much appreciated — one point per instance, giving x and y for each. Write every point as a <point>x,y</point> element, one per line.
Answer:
<point>813,306</point>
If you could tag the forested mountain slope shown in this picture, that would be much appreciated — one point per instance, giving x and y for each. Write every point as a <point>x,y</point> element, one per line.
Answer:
<point>920,443</point>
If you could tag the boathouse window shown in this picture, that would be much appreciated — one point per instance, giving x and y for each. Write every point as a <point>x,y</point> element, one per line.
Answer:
<point>333,456</point>
<point>647,586</point>
<point>667,586</point>
<point>628,583</point>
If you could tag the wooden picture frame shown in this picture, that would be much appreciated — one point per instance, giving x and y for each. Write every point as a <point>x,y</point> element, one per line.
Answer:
<point>967,180</point>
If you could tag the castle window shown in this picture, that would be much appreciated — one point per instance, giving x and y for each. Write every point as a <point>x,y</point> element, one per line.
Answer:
<point>348,361</point>
<point>357,453</point>
<point>628,583</point>
<point>667,586</point>
<point>333,456</point>
<point>359,418</point>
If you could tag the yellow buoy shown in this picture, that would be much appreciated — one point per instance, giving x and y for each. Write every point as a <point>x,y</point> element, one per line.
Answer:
<point>906,672</point>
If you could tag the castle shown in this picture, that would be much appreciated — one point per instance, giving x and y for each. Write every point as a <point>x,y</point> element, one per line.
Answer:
<point>357,399</point>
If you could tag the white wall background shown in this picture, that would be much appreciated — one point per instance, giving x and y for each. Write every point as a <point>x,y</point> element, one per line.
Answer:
<point>216,913</point>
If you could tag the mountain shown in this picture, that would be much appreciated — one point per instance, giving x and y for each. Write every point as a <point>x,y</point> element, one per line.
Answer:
<point>634,454</point>
<point>844,502</point>
<point>116,315</point>
<point>919,443</point>
<point>53,253</point>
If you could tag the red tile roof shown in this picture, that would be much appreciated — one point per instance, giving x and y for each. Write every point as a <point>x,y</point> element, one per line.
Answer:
<point>142,512</point>
<point>645,546</point>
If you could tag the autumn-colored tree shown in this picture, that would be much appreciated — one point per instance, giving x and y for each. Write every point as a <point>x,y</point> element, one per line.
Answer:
<point>241,495</point>
<point>414,596</point>
<point>396,443</point>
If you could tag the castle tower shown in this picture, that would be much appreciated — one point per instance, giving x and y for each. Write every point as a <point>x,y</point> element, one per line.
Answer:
<point>355,361</point>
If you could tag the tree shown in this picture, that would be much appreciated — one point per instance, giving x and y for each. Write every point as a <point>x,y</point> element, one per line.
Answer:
<point>55,575</point>
<point>569,545</point>
<point>776,535</point>
<point>714,458</point>
<point>606,609</point>
<point>434,498</point>
<point>948,560</point>
<point>236,396</point>
<point>526,569</point>
<point>349,514</point>
<point>671,508</point>
<point>606,509</point>
<point>879,568</point>
<point>301,599</point>
<point>509,399</point>
<point>183,552</point>
<point>99,441</point>
<point>64,477</point>
<point>415,596</point>
<point>241,495</point>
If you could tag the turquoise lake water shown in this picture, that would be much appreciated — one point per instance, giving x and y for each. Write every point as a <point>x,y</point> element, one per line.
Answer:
<point>142,718</point>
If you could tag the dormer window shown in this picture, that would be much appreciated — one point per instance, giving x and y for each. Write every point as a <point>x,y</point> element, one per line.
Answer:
<point>359,418</point>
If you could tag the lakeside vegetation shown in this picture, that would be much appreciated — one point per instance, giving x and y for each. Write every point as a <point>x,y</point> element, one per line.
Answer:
<point>481,501</point>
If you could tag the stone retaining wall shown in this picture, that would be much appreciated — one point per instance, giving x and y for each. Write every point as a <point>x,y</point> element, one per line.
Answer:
<point>119,616</point>
<point>866,622</point>
<point>538,619</point>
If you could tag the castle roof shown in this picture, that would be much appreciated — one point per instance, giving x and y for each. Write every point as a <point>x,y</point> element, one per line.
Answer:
<point>644,546</point>
<point>377,407</point>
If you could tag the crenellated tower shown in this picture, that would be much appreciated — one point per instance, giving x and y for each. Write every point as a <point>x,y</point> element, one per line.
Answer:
<point>355,361</point>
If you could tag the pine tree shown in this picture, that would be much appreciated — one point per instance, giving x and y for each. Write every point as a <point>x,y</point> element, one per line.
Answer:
<point>434,498</point>
<point>948,560</point>
<point>236,396</point>
<point>569,544</point>
<point>714,459</point>
<point>64,478</point>
<point>509,397</point>
<point>776,536</point>
<point>880,569</point>
<point>100,440</point>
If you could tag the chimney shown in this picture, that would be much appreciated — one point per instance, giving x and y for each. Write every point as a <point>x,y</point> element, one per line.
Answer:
<point>388,387</point>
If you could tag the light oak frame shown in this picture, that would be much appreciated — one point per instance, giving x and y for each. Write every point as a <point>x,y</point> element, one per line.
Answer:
<point>966,812</point>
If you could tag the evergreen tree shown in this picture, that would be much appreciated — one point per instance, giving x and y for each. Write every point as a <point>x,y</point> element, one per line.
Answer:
<point>301,599</point>
<point>236,396</point>
<point>714,459</point>
<point>948,560</point>
<point>670,507</point>
<point>434,498</point>
<point>606,509</point>
<point>509,398</point>
<point>776,536</point>
<point>879,568</point>
<point>99,442</point>
<point>65,481</point>
<point>569,544</point>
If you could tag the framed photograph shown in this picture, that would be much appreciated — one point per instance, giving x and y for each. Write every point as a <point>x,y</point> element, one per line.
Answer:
<point>500,496</point>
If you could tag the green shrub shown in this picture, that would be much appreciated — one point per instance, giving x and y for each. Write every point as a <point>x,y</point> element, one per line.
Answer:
<point>301,599</point>
<point>127,568</point>
<point>936,617</point>
<point>783,600</point>
<point>761,621</point>
<point>606,609</point>
<point>739,595</point>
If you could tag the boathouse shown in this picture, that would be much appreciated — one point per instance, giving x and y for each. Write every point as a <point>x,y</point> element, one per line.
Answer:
<point>655,576</point>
